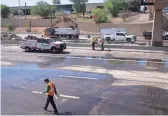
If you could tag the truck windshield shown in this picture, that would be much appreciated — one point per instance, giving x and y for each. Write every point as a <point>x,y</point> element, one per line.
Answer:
<point>125,33</point>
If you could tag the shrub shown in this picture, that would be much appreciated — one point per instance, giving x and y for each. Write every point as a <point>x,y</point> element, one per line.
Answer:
<point>9,26</point>
<point>100,15</point>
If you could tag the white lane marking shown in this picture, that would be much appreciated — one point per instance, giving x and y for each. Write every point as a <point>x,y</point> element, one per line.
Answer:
<point>60,95</point>
<point>77,77</point>
<point>4,63</point>
<point>23,87</point>
<point>67,96</point>
<point>37,92</point>
<point>154,68</point>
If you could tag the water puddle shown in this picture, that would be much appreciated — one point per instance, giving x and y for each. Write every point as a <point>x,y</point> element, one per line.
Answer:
<point>49,69</point>
<point>34,71</point>
<point>142,62</point>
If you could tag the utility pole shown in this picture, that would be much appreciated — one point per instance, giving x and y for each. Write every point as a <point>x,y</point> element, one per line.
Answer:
<point>19,15</point>
<point>25,11</point>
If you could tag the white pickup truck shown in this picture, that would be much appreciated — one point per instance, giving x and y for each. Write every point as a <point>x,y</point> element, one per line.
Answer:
<point>47,44</point>
<point>120,36</point>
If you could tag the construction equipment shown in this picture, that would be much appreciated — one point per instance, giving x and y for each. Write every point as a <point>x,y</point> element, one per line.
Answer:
<point>64,27</point>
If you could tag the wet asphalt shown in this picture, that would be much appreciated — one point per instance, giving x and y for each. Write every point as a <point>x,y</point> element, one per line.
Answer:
<point>103,86</point>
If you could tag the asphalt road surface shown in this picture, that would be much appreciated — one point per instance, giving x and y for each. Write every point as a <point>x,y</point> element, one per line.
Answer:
<point>92,86</point>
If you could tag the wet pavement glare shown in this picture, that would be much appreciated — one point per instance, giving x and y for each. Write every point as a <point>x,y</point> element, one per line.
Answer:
<point>104,86</point>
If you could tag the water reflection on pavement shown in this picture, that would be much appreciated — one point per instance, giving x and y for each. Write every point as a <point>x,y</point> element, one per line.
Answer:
<point>103,86</point>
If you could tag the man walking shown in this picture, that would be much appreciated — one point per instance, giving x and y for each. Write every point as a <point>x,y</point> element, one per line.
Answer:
<point>51,90</point>
<point>94,41</point>
<point>102,44</point>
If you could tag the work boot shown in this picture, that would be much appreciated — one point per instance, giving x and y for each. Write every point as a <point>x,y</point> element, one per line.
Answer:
<point>45,108</point>
<point>55,112</point>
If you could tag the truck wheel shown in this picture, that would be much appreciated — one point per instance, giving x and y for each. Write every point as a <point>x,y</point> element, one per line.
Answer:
<point>128,40</point>
<point>166,37</point>
<point>54,50</point>
<point>148,37</point>
<point>108,40</point>
<point>27,49</point>
<point>72,37</point>
<point>67,37</point>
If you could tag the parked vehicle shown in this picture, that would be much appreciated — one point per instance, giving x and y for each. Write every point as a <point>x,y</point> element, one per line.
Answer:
<point>67,33</point>
<point>111,31</point>
<point>47,44</point>
<point>64,27</point>
<point>120,36</point>
<point>148,35</point>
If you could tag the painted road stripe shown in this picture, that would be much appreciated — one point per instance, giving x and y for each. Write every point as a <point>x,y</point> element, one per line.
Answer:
<point>77,77</point>
<point>154,68</point>
<point>67,96</point>
<point>60,95</point>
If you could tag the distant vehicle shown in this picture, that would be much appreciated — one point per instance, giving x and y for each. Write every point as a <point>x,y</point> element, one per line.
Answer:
<point>66,33</point>
<point>148,35</point>
<point>47,44</point>
<point>111,31</point>
<point>120,36</point>
<point>64,27</point>
<point>116,34</point>
<point>144,9</point>
<point>165,10</point>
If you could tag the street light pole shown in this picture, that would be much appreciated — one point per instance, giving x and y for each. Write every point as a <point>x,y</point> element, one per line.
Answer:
<point>25,10</point>
<point>19,16</point>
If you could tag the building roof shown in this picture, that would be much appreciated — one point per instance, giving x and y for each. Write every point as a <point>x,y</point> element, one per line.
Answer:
<point>29,7</point>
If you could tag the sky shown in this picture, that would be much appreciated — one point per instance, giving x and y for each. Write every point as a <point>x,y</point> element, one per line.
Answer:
<point>33,2</point>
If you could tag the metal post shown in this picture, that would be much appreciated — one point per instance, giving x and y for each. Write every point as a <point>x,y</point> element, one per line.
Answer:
<point>19,15</point>
<point>25,11</point>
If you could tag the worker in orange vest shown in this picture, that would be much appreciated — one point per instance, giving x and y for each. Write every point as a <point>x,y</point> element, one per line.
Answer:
<point>51,90</point>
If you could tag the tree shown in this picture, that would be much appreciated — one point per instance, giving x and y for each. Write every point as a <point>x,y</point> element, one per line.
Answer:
<point>100,15</point>
<point>5,11</point>
<point>79,6</point>
<point>134,5</point>
<point>15,12</point>
<point>56,2</point>
<point>43,9</point>
<point>114,6</point>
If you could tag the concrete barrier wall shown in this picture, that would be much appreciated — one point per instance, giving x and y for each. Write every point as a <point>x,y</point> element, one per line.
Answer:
<point>10,42</point>
<point>136,29</point>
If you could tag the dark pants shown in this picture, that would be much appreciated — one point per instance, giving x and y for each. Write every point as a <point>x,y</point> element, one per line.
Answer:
<point>102,46</point>
<point>51,100</point>
<point>93,45</point>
